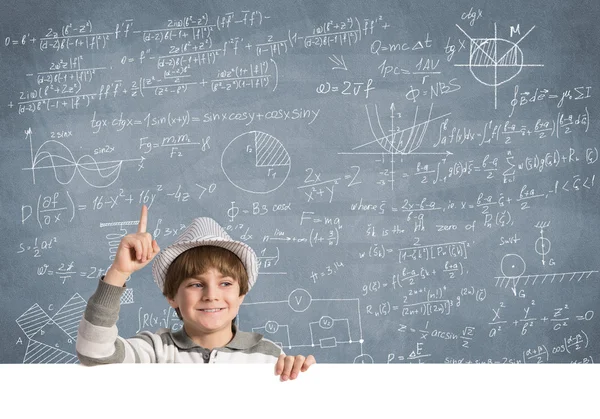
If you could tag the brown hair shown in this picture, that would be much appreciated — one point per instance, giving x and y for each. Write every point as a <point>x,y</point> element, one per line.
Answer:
<point>200,259</point>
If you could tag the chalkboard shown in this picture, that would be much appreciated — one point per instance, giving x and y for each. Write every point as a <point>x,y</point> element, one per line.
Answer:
<point>419,179</point>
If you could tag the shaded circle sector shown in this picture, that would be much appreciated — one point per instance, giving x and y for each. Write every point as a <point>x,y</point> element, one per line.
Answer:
<point>256,162</point>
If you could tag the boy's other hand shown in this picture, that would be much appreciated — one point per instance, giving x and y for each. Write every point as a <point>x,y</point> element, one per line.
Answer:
<point>288,367</point>
<point>135,250</point>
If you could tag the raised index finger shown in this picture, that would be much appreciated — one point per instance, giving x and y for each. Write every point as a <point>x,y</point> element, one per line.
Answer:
<point>143,220</point>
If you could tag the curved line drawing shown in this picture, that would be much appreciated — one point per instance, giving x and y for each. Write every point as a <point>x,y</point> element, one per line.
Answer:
<point>79,166</point>
<point>410,139</point>
<point>399,141</point>
<point>55,155</point>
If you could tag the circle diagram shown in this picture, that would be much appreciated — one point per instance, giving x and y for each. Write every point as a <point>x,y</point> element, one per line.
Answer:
<point>256,162</point>
<point>271,326</point>
<point>542,246</point>
<point>299,300</point>
<point>363,359</point>
<point>326,322</point>
<point>512,265</point>
<point>494,62</point>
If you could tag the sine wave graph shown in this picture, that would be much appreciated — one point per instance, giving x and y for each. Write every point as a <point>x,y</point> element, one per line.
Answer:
<point>58,157</point>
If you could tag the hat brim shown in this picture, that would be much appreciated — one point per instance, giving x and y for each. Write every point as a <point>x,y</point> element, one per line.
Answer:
<point>163,260</point>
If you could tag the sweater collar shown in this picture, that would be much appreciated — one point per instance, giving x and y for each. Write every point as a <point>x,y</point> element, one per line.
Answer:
<point>241,340</point>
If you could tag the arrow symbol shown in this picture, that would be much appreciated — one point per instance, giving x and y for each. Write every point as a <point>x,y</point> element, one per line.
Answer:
<point>339,63</point>
<point>446,153</point>
<point>514,286</point>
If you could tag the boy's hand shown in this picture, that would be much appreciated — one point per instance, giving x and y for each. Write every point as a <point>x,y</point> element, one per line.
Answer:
<point>288,367</point>
<point>134,252</point>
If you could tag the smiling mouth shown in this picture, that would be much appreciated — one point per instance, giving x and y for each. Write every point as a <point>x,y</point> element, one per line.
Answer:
<point>211,310</point>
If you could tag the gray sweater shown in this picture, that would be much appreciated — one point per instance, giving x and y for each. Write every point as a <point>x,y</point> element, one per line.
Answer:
<point>98,341</point>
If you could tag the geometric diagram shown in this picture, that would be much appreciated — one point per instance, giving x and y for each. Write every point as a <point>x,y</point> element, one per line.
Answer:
<point>495,61</point>
<point>399,141</point>
<point>52,339</point>
<point>405,144</point>
<point>513,267</point>
<point>65,166</point>
<point>256,162</point>
<point>325,331</point>
<point>542,244</point>
<point>127,297</point>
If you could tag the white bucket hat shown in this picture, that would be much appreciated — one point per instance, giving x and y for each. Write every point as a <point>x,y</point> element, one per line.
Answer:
<point>204,231</point>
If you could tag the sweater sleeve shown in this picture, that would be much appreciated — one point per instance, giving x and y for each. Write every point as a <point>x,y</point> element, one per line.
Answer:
<point>98,341</point>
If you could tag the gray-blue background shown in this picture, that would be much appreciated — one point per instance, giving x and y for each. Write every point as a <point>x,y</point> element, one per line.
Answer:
<point>321,133</point>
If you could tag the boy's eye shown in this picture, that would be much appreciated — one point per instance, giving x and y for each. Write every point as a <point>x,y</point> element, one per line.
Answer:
<point>226,283</point>
<point>197,285</point>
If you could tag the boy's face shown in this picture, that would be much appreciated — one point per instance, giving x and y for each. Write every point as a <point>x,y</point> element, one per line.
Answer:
<point>208,302</point>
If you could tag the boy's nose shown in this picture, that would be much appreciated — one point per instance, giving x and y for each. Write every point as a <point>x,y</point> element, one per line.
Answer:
<point>210,294</point>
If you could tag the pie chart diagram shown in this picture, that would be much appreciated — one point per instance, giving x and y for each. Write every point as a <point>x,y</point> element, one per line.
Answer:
<point>256,162</point>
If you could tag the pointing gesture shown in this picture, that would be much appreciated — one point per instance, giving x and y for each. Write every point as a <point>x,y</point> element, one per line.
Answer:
<point>134,252</point>
<point>143,220</point>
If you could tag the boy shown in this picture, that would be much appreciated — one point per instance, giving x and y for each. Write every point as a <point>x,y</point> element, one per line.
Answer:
<point>205,276</point>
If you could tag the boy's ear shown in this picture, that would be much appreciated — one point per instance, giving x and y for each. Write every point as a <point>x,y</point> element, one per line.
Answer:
<point>172,303</point>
